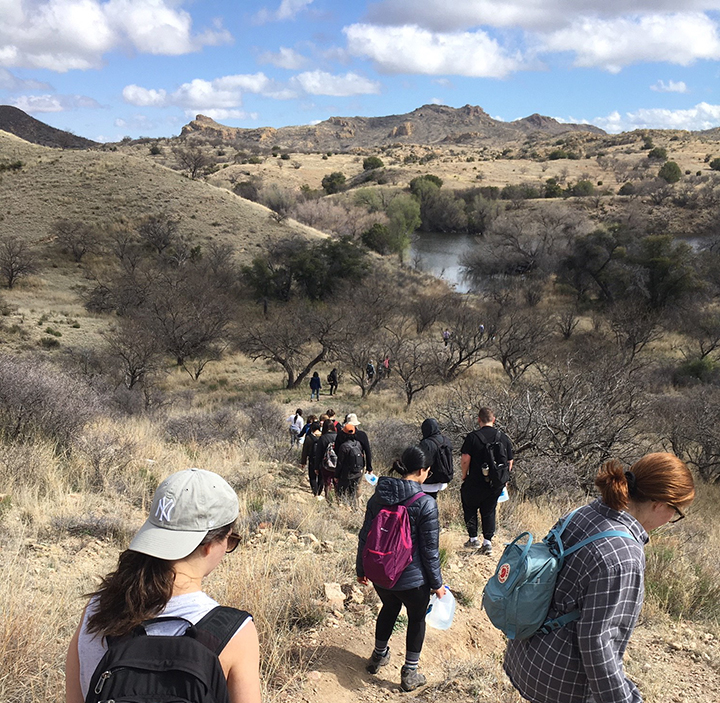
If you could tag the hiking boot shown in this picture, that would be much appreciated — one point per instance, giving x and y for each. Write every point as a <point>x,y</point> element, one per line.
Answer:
<point>472,544</point>
<point>486,549</point>
<point>376,661</point>
<point>410,679</point>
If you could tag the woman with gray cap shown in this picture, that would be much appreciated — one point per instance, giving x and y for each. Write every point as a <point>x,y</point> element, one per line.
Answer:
<point>160,575</point>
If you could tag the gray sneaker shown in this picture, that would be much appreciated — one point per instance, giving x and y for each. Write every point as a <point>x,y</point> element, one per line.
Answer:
<point>376,661</point>
<point>486,549</point>
<point>472,544</point>
<point>410,679</point>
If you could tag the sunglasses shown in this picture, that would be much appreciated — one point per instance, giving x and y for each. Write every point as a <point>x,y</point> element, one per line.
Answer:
<point>233,539</point>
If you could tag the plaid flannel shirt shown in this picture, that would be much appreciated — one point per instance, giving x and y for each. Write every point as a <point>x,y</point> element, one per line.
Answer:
<point>582,661</point>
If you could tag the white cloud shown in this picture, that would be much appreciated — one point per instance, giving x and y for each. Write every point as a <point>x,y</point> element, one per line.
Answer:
<point>221,98</point>
<point>669,87</point>
<point>679,39</point>
<point>526,14</point>
<point>437,101</point>
<point>225,114</point>
<point>410,49</point>
<point>61,35</point>
<point>287,11</point>
<point>53,103</point>
<point>142,97</point>
<point>285,58</point>
<point>701,116</point>
<point>323,83</point>
<point>10,82</point>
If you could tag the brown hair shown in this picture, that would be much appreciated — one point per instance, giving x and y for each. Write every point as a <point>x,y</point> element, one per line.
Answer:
<point>138,589</point>
<point>486,416</point>
<point>659,476</point>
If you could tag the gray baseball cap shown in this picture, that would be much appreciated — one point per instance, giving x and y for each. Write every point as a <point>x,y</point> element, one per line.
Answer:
<point>186,506</point>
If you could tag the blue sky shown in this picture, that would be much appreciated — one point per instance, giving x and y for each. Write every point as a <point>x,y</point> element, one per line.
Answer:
<point>109,68</point>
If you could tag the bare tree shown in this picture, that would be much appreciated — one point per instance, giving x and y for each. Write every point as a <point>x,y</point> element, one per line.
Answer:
<point>191,158</point>
<point>690,425</point>
<point>518,335</point>
<point>17,259</point>
<point>126,246</point>
<point>469,341</point>
<point>76,236</point>
<point>159,231</point>
<point>634,326</point>
<point>189,318</point>
<point>136,350</point>
<point>296,336</point>
<point>414,365</point>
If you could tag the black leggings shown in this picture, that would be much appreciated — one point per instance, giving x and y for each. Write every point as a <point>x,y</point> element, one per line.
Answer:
<point>416,602</point>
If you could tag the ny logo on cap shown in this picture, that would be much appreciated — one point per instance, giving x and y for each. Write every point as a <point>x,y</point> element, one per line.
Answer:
<point>164,508</point>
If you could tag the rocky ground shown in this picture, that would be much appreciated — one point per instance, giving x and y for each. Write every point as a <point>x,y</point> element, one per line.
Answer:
<point>671,662</point>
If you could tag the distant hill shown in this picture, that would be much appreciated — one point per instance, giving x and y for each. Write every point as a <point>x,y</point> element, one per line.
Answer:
<point>429,124</point>
<point>19,123</point>
<point>111,188</point>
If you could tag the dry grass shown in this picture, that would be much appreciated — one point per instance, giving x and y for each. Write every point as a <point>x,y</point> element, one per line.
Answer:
<point>105,187</point>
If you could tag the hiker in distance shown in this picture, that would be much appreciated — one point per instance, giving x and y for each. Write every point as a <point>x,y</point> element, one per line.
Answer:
<point>188,532</point>
<point>332,379</point>
<point>296,424</point>
<point>398,507</point>
<point>603,580</point>
<point>315,386</point>
<point>438,450</point>
<point>486,461</point>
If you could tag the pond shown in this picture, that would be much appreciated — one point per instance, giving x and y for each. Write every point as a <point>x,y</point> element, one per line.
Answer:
<point>439,254</point>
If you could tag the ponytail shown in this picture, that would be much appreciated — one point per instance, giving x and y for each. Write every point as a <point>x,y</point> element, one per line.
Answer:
<point>613,485</point>
<point>659,476</point>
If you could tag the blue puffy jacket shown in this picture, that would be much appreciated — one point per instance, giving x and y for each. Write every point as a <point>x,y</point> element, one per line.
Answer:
<point>425,528</point>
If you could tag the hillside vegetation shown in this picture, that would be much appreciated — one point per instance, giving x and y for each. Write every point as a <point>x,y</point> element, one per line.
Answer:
<point>154,319</point>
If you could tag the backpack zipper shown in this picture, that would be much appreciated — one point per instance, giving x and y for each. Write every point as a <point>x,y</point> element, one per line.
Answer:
<point>101,681</point>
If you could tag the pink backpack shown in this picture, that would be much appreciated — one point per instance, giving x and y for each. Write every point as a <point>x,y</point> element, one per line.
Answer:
<point>388,548</point>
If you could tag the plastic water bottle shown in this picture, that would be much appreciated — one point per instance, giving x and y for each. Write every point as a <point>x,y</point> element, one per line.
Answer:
<point>504,495</point>
<point>372,479</point>
<point>441,611</point>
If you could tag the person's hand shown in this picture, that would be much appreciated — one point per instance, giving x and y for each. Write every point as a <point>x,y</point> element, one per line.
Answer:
<point>363,580</point>
<point>440,592</point>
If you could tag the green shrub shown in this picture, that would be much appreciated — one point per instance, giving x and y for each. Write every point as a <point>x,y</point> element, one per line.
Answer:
<point>334,182</point>
<point>715,164</point>
<point>659,153</point>
<point>372,162</point>
<point>670,172</point>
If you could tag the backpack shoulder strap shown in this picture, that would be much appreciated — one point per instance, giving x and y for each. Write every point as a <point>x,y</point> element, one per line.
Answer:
<point>599,535</point>
<point>555,623</point>
<point>217,628</point>
<point>407,503</point>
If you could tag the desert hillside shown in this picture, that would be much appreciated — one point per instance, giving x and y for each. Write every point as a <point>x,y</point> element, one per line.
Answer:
<point>104,188</point>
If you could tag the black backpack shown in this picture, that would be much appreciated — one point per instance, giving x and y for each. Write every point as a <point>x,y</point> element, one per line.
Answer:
<point>442,466</point>
<point>149,668</point>
<point>350,460</point>
<point>495,458</point>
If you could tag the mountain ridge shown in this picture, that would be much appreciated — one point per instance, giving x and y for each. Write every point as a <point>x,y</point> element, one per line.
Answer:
<point>428,124</point>
<point>15,121</point>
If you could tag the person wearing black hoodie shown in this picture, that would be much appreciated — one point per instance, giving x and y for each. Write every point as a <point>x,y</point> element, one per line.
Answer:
<point>419,578</point>
<point>438,449</point>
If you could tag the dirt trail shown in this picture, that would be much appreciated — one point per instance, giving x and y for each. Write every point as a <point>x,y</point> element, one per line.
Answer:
<point>671,662</point>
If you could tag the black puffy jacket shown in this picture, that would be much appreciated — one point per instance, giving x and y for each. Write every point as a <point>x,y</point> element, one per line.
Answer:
<point>424,525</point>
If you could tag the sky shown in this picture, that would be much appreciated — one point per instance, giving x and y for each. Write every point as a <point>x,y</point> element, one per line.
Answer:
<point>106,69</point>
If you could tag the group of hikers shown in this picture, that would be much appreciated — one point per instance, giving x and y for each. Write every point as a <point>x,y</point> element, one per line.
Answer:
<point>213,653</point>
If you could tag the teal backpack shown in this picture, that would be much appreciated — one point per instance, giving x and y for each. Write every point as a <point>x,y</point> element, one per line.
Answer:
<point>517,598</point>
